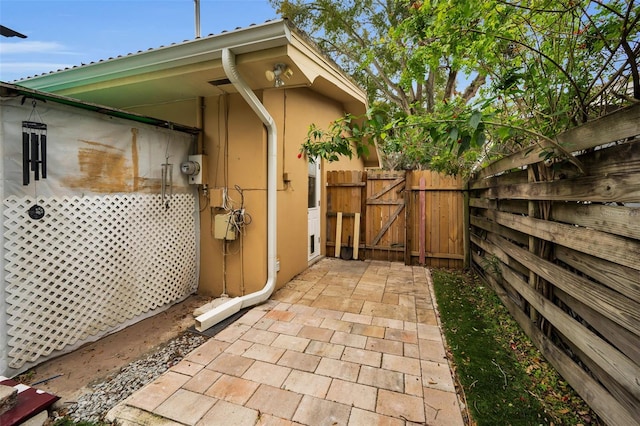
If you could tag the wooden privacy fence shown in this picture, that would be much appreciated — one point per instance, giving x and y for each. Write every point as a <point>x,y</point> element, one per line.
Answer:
<point>415,217</point>
<point>561,247</point>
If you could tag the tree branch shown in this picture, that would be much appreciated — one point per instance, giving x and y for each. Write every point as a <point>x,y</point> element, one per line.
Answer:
<point>531,9</point>
<point>451,84</point>
<point>474,86</point>
<point>570,157</point>
<point>544,55</point>
<point>634,68</point>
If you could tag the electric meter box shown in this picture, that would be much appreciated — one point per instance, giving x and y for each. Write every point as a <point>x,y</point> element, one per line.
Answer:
<point>223,230</point>
<point>200,175</point>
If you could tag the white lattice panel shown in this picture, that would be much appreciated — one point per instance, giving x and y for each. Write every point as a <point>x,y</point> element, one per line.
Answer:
<point>91,264</point>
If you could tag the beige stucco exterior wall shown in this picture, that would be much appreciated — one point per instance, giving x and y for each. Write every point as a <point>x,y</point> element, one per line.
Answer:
<point>239,152</point>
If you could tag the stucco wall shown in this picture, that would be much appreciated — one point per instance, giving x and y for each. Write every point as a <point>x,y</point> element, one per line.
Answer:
<point>237,155</point>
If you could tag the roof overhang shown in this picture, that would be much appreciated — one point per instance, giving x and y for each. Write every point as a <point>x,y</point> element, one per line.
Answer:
<point>185,70</point>
<point>11,91</point>
<point>193,69</point>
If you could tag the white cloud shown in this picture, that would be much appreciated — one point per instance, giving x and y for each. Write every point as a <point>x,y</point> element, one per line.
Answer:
<point>16,48</point>
<point>28,58</point>
<point>12,71</point>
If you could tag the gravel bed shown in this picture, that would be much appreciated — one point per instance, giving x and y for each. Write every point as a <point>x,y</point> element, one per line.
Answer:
<point>115,388</point>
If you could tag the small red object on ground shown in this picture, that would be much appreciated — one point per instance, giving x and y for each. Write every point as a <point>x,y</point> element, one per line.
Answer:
<point>31,401</point>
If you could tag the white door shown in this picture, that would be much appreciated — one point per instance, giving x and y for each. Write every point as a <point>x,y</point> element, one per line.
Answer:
<point>313,240</point>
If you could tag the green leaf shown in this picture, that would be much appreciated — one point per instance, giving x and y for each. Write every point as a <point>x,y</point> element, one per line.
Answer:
<point>475,119</point>
<point>504,132</point>
<point>453,134</point>
<point>464,144</point>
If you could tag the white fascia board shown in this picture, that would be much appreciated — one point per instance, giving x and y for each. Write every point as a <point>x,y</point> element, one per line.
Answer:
<point>254,38</point>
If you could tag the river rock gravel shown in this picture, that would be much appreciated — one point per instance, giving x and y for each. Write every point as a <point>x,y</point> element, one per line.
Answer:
<point>108,393</point>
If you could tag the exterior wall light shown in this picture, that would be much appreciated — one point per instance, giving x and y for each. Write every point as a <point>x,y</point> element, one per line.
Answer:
<point>279,71</point>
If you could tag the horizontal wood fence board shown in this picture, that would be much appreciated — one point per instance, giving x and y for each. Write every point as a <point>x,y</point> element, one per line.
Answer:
<point>618,126</point>
<point>506,178</point>
<point>613,188</point>
<point>490,225</point>
<point>625,341</point>
<point>383,175</point>
<point>617,277</point>
<point>631,404</point>
<point>440,255</point>
<point>497,253</point>
<point>619,220</point>
<point>612,247</point>
<point>385,202</point>
<point>615,159</point>
<point>344,215</point>
<point>345,184</point>
<point>385,248</point>
<point>607,357</point>
<point>511,206</point>
<point>571,226</point>
<point>598,398</point>
<point>611,304</point>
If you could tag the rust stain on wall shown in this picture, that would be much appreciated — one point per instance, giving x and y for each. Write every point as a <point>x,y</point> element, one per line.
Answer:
<point>150,185</point>
<point>103,168</point>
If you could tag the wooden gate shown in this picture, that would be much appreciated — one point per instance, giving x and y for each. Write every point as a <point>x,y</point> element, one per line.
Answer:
<point>400,218</point>
<point>385,216</point>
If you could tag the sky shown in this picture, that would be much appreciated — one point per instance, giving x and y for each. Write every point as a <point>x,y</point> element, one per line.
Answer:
<point>64,33</point>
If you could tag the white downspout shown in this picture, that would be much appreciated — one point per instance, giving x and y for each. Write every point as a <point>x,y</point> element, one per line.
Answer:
<point>230,307</point>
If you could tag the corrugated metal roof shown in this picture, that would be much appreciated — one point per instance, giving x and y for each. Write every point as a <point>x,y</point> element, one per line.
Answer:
<point>211,35</point>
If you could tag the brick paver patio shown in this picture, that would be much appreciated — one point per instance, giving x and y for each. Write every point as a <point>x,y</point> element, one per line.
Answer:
<point>344,343</point>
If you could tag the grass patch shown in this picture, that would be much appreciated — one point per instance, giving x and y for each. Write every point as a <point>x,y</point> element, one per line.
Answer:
<point>503,375</point>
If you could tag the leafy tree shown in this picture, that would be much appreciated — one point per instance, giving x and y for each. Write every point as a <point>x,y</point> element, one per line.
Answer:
<point>445,77</point>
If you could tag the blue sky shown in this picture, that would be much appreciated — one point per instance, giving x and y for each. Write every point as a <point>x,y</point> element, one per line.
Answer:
<point>63,33</point>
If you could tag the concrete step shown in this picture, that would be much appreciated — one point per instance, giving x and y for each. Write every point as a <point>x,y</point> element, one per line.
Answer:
<point>8,398</point>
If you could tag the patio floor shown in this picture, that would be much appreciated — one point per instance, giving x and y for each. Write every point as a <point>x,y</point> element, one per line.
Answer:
<point>344,343</point>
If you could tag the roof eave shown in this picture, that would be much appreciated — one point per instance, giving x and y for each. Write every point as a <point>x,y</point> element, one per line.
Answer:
<point>250,39</point>
<point>9,89</point>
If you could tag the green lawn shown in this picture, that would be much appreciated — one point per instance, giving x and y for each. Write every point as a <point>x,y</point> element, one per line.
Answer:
<point>504,378</point>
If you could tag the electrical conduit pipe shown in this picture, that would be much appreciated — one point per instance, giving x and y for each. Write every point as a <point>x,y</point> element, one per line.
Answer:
<point>232,306</point>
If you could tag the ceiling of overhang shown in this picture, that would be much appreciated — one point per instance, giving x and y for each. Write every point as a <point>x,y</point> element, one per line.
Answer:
<point>185,83</point>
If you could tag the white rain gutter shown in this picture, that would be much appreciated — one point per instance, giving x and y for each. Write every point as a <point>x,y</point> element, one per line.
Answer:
<point>232,306</point>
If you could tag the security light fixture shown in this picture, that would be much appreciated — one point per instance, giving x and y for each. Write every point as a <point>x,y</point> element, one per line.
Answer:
<point>279,71</point>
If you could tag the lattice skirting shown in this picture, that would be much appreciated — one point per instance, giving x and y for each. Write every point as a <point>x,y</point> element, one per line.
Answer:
<point>92,264</point>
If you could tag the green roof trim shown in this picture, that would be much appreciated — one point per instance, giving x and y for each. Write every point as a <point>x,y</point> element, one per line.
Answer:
<point>7,89</point>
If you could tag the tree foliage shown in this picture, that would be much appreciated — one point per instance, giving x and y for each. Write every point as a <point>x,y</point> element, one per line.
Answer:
<point>449,80</point>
